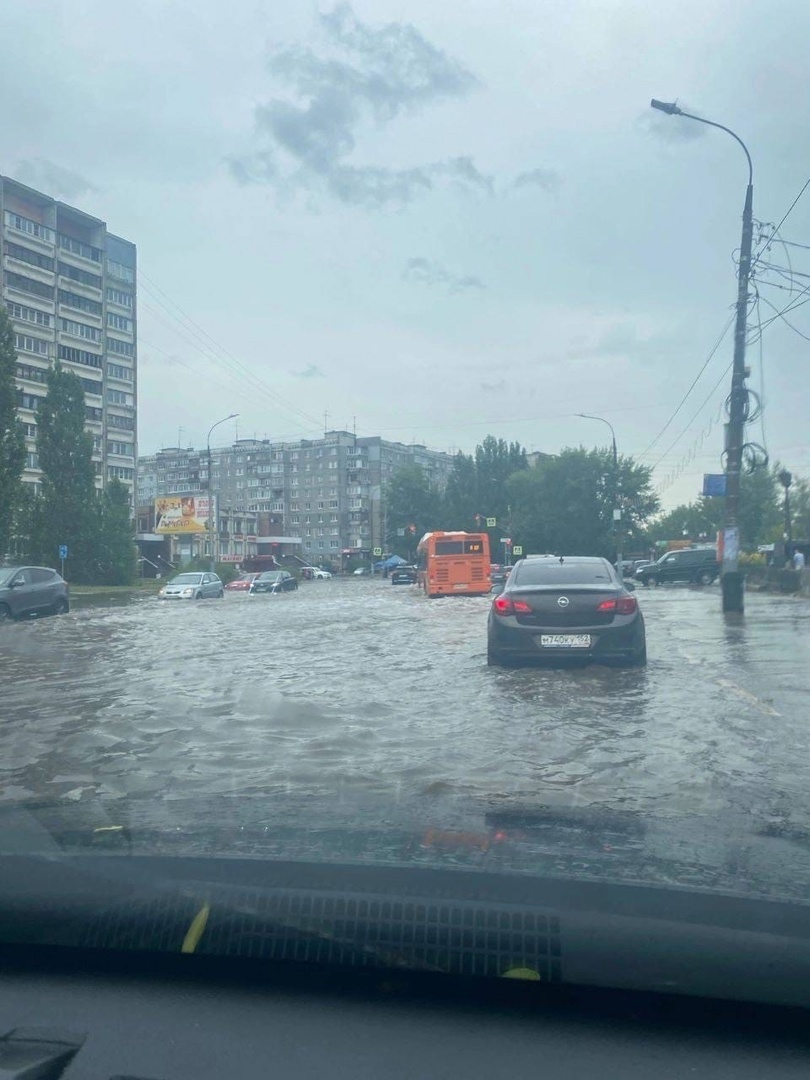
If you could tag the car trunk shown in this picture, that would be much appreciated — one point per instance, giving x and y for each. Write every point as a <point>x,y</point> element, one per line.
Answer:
<point>581,609</point>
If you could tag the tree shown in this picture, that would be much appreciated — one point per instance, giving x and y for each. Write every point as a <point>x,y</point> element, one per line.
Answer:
<point>412,505</point>
<point>67,511</point>
<point>566,503</point>
<point>115,553</point>
<point>12,436</point>
<point>495,461</point>
<point>461,494</point>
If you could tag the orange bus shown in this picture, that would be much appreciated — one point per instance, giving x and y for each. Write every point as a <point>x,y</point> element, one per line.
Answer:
<point>453,564</point>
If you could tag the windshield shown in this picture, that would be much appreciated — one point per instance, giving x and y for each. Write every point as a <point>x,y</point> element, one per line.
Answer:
<point>298,290</point>
<point>6,574</point>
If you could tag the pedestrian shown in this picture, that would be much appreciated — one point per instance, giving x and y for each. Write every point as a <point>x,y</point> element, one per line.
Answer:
<point>798,560</point>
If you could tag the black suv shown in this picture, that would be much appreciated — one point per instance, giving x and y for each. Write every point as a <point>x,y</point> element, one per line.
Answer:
<point>697,565</point>
<point>403,575</point>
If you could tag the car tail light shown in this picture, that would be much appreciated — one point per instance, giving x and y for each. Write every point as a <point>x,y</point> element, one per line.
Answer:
<point>626,605</point>
<point>607,605</point>
<point>504,606</point>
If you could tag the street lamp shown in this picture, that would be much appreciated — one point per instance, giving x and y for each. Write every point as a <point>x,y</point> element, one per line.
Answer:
<point>786,479</point>
<point>732,578</point>
<point>617,510</point>
<point>211,559</point>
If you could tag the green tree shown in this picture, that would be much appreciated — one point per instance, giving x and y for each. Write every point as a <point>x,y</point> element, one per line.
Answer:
<point>412,505</point>
<point>67,511</point>
<point>12,438</point>
<point>460,498</point>
<point>800,508</point>
<point>115,553</point>
<point>566,503</point>
<point>495,461</point>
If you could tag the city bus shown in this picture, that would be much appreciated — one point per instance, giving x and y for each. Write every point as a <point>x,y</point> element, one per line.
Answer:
<point>453,564</point>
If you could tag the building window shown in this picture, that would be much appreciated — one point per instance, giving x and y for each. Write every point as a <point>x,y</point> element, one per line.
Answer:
<point>29,285</point>
<point>118,296</point>
<point>27,343</point>
<point>118,270</point>
<point>32,374</point>
<point>119,472</point>
<point>29,314</point>
<point>334,532</point>
<point>31,460</point>
<point>123,423</point>
<point>118,397</point>
<point>30,431</point>
<point>32,228</point>
<point>24,254</point>
<point>122,449</point>
<point>122,348</point>
<point>119,322</point>
<point>28,401</point>
<point>295,519</point>
<point>67,243</point>
<point>333,543</point>
<point>73,273</point>
<point>81,303</point>
<point>79,329</point>
<point>116,371</point>
<point>78,356</point>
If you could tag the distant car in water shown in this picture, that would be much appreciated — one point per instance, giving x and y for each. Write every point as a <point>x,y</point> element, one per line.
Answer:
<point>241,584</point>
<point>314,573</point>
<point>273,581</point>
<point>403,575</point>
<point>498,574</point>
<point>567,607</point>
<point>192,585</point>
<point>32,590</point>
<point>361,571</point>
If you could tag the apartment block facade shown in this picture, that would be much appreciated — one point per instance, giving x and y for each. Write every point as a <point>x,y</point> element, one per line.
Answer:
<point>328,492</point>
<point>69,287</point>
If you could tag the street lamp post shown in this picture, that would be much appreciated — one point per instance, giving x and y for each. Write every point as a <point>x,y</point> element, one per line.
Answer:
<point>211,557</point>
<point>785,478</point>
<point>732,579</point>
<point>617,509</point>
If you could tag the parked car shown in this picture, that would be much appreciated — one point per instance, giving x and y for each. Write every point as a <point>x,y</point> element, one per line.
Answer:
<point>362,571</point>
<point>403,575</point>
<point>314,573</point>
<point>241,584</point>
<point>569,606</point>
<point>273,581</point>
<point>32,590</point>
<point>696,565</point>
<point>640,564</point>
<point>192,585</point>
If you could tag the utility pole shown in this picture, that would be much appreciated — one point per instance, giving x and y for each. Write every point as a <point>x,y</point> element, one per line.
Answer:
<point>617,506</point>
<point>211,553</point>
<point>732,581</point>
<point>785,478</point>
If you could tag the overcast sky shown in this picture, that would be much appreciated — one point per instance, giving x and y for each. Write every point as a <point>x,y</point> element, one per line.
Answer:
<point>441,219</point>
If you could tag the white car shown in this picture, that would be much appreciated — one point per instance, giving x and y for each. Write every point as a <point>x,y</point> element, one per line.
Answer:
<point>192,586</point>
<point>314,573</point>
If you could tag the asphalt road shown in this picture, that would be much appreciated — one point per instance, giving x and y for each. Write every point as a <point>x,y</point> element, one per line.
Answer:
<point>351,693</point>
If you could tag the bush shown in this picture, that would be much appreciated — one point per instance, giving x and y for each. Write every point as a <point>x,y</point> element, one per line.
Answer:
<point>226,571</point>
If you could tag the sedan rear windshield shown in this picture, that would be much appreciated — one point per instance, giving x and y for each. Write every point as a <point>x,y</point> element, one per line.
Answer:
<point>271,575</point>
<point>551,572</point>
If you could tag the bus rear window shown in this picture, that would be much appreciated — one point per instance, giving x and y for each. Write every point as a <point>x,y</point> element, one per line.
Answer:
<point>449,547</point>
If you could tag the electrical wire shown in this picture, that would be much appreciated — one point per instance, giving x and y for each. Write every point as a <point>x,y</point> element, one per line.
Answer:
<point>699,411</point>
<point>780,315</point>
<point>683,400</point>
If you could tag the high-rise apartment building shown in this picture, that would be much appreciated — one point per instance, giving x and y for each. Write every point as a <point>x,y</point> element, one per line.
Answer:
<point>69,287</point>
<point>328,492</point>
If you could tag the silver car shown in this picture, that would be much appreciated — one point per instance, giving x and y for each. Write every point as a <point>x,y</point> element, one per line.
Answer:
<point>32,590</point>
<point>192,586</point>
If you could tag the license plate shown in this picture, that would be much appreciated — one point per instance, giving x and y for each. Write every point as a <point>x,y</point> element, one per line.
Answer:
<point>565,641</point>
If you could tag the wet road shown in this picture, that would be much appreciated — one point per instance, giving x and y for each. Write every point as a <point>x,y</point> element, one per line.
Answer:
<point>357,689</point>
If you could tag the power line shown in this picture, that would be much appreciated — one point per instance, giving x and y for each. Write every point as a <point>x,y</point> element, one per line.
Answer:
<point>699,411</point>
<point>694,382</point>
<point>780,315</point>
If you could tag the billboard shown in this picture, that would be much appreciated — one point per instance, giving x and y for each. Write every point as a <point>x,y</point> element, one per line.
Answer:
<point>181,514</point>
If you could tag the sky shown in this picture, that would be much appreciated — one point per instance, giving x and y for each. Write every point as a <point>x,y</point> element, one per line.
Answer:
<point>434,221</point>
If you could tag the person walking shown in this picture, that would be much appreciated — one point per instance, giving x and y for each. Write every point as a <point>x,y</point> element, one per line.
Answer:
<point>798,560</point>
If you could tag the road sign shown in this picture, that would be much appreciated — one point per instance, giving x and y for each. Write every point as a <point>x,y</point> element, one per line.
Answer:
<point>517,550</point>
<point>714,484</point>
<point>63,551</point>
<point>491,523</point>
<point>506,540</point>
<point>378,551</point>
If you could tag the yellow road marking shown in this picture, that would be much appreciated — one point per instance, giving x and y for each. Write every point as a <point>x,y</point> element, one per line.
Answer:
<point>746,695</point>
<point>195,931</point>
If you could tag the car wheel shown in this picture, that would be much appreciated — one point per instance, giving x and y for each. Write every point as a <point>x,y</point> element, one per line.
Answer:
<point>198,596</point>
<point>705,577</point>
<point>638,659</point>
<point>494,658</point>
<point>220,594</point>
<point>5,613</point>
<point>61,607</point>
<point>652,580</point>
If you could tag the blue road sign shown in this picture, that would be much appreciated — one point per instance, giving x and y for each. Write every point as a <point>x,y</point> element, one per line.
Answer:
<point>714,483</point>
<point>63,551</point>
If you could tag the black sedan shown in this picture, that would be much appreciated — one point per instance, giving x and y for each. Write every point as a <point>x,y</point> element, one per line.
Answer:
<point>273,581</point>
<point>565,607</point>
<point>403,575</point>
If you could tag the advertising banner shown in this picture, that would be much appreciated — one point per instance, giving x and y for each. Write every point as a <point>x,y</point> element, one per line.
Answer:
<point>181,514</point>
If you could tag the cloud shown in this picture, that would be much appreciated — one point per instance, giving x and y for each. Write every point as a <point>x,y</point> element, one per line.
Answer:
<point>361,74</point>
<point>547,179</point>
<point>494,387</point>
<point>311,371</point>
<point>427,272</point>
<point>57,181</point>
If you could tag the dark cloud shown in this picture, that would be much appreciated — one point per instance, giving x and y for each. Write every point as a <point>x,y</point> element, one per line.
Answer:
<point>493,387</point>
<point>428,272</point>
<point>547,179</point>
<point>59,182</point>
<point>311,371</point>
<point>361,74</point>
<point>672,128</point>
